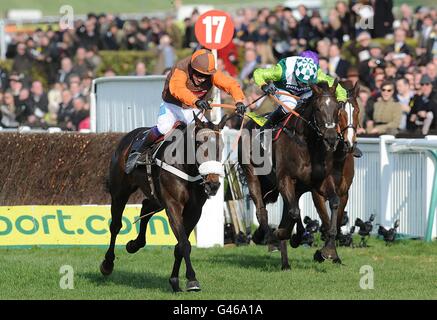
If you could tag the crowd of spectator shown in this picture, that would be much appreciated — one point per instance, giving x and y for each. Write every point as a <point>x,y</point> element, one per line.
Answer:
<point>68,60</point>
<point>398,81</point>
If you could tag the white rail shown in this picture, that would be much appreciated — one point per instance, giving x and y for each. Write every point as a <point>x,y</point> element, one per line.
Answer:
<point>395,179</point>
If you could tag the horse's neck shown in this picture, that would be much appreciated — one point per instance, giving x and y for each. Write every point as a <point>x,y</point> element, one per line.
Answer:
<point>295,122</point>
<point>185,163</point>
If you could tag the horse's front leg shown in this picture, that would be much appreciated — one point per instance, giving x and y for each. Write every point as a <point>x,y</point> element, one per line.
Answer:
<point>285,221</point>
<point>319,203</point>
<point>263,231</point>
<point>148,209</point>
<point>287,188</point>
<point>182,225</point>
<point>343,202</point>
<point>329,251</point>
<point>291,212</point>
<point>296,239</point>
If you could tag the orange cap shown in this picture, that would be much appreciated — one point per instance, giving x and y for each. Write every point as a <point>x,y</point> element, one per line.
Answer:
<point>203,61</point>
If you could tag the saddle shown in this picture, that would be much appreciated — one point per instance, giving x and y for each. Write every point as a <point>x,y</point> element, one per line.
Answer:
<point>278,128</point>
<point>147,155</point>
<point>282,127</point>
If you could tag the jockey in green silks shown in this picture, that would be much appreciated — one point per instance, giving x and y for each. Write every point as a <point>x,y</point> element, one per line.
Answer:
<point>294,75</point>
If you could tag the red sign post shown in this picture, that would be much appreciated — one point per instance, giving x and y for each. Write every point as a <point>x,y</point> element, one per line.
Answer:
<point>214,29</point>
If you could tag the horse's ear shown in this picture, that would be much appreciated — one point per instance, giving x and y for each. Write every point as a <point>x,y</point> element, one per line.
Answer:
<point>316,89</point>
<point>334,86</point>
<point>223,121</point>
<point>356,89</point>
<point>197,121</point>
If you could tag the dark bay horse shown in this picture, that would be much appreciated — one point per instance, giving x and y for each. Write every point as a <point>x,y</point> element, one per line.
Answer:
<point>301,161</point>
<point>343,170</point>
<point>181,196</point>
<point>342,174</point>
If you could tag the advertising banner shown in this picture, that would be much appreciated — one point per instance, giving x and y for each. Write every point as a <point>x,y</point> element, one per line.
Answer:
<point>78,225</point>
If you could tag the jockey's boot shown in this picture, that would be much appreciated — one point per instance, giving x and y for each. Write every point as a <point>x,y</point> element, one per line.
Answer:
<point>356,152</point>
<point>139,146</point>
<point>272,120</point>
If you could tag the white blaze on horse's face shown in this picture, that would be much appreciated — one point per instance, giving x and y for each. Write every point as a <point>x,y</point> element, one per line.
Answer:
<point>329,125</point>
<point>350,130</point>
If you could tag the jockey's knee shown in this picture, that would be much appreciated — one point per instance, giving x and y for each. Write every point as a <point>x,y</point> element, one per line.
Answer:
<point>286,110</point>
<point>290,102</point>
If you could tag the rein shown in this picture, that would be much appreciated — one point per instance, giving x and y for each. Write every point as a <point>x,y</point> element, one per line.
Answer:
<point>308,123</point>
<point>177,172</point>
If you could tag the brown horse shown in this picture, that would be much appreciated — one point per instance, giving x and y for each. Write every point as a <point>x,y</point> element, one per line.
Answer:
<point>301,160</point>
<point>343,171</point>
<point>181,196</point>
<point>342,174</point>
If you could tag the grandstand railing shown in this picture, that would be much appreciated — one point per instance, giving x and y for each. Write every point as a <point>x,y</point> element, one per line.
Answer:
<point>395,179</point>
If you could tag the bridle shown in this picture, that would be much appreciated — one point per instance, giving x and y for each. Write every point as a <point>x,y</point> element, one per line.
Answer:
<point>328,125</point>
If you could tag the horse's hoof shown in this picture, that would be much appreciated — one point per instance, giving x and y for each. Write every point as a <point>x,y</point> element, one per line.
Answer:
<point>106,267</point>
<point>193,286</point>
<point>174,282</point>
<point>295,241</point>
<point>132,247</point>
<point>286,267</point>
<point>258,237</point>
<point>329,253</point>
<point>318,256</point>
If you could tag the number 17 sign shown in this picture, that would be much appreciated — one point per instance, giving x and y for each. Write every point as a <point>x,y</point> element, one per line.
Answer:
<point>214,29</point>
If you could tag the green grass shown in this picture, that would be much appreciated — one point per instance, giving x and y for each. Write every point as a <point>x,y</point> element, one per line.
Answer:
<point>406,270</point>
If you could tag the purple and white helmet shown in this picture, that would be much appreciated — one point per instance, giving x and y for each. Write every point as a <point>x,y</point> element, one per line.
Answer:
<point>312,55</point>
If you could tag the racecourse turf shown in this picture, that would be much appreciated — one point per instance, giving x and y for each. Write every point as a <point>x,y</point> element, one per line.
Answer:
<point>405,270</point>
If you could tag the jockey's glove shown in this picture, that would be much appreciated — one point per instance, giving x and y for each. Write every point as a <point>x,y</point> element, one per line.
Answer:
<point>240,108</point>
<point>203,105</point>
<point>269,88</point>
